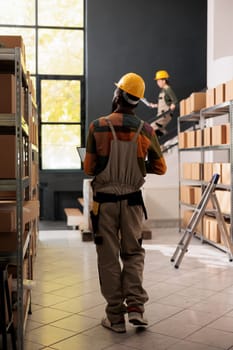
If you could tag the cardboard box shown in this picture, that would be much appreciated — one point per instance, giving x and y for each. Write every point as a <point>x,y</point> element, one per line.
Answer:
<point>208,171</point>
<point>229,90</point>
<point>8,214</point>
<point>191,139</point>
<point>182,107</point>
<point>210,97</point>
<point>187,106</point>
<point>7,153</point>
<point>217,169</point>
<point>207,136</point>
<point>220,94</point>
<point>13,41</point>
<point>7,93</point>
<point>187,194</point>
<point>187,171</point>
<point>226,173</point>
<point>219,134</point>
<point>182,137</point>
<point>198,138</point>
<point>197,101</point>
<point>196,171</point>
<point>224,199</point>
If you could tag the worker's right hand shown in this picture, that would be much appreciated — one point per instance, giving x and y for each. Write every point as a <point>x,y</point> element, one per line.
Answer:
<point>153,105</point>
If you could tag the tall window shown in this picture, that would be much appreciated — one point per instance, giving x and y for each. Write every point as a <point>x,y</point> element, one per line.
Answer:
<point>53,33</point>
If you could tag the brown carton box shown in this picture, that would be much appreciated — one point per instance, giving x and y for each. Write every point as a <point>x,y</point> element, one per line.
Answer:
<point>220,94</point>
<point>191,139</point>
<point>7,93</point>
<point>219,134</point>
<point>224,199</point>
<point>207,136</point>
<point>182,139</point>
<point>208,171</point>
<point>187,105</point>
<point>187,171</point>
<point>196,171</point>
<point>182,107</point>
<point>229,90</point>
<point>7,156</point>
<point>210,97</point>
<point>198,138</point>
<point>12,41</point>
<point>226,173</point>
<point>197,101</point>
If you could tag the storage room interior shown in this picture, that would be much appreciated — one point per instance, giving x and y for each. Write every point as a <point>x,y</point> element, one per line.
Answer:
<point>59,62</point>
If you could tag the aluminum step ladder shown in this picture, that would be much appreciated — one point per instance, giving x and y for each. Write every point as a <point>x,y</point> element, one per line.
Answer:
<point>198,213</point>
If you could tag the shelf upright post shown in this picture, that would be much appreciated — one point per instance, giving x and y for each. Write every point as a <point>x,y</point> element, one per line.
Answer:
<point>231,161</point>
<point>19,199</point>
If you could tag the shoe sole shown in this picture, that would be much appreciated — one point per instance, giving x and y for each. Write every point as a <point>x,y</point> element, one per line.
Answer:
<point>108,326</point>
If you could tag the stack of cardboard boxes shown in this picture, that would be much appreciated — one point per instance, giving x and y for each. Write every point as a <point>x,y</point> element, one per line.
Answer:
<point>207,137</point>
<point>11,144</point>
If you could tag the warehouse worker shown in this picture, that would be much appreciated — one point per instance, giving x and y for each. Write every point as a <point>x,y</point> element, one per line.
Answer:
<point>167,102</point>
<point>117,146</point>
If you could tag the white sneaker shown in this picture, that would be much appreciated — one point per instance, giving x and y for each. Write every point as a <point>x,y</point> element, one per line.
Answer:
<point>115,327</point>
<point>137,319</point>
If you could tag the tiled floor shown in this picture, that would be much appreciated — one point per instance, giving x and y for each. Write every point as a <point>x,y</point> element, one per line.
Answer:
<point>190,308</point>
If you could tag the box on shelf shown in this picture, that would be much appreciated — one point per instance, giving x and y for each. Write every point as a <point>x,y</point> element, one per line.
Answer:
<point>13,41</point>
<point>7,93</point>
<point>191,139</point>
<point>224,199</point>
<point>197,101</point>
<point>210,97</point>
<point>198,138</point>
<point>220,94</point>
<point>211,229</point>
<point>187,171</point>
<point>182,107</point>
<point>187,105</point>
<point>196,171</point>
<point>226,173</point>
<point>229,90</point>
<point>182,137</point>
<point>208,171</point>
<point>219,134</point>
<point>207,136</point>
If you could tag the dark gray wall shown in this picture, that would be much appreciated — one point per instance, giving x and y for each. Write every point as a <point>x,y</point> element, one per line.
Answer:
<point>132,36</point>
<point>142,37</point>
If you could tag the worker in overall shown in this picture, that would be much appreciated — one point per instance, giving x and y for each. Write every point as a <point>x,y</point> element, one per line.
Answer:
<point>117,146</point>
<point>166,104</point>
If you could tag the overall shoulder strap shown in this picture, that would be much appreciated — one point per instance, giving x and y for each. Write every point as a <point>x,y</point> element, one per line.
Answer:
<point>138,131</point>
<point>112,128</point>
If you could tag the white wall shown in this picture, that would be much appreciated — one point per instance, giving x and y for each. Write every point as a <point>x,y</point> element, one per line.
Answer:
<point>219,39</point>
<point>161,192</point>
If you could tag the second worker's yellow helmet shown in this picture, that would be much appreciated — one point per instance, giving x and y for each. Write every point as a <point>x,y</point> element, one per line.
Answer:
<point>161,74</point>
<point>133,84</point>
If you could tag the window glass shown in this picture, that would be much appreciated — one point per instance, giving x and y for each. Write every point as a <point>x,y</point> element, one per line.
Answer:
<point>60,52</point>
<point>60,13</point>
<point>28,36</point>
<point>60,101</point>
<point>19,12</point>
<point>59,146</point>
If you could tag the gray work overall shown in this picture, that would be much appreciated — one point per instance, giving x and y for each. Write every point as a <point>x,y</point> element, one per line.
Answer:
<point>162,122</point>
<point>120,256</point>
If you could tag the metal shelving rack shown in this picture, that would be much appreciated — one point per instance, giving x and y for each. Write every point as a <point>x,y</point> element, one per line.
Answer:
<point>217,111</point>
<point>199,119</point>
<point>11,62</point>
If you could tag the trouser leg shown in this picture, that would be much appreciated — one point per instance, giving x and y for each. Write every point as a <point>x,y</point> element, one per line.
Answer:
<point>132,255</point>
<point>109,266</point>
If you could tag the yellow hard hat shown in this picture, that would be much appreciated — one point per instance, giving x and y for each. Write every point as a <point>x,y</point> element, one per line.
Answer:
<point>133,84</point>
<point>161,74</point>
